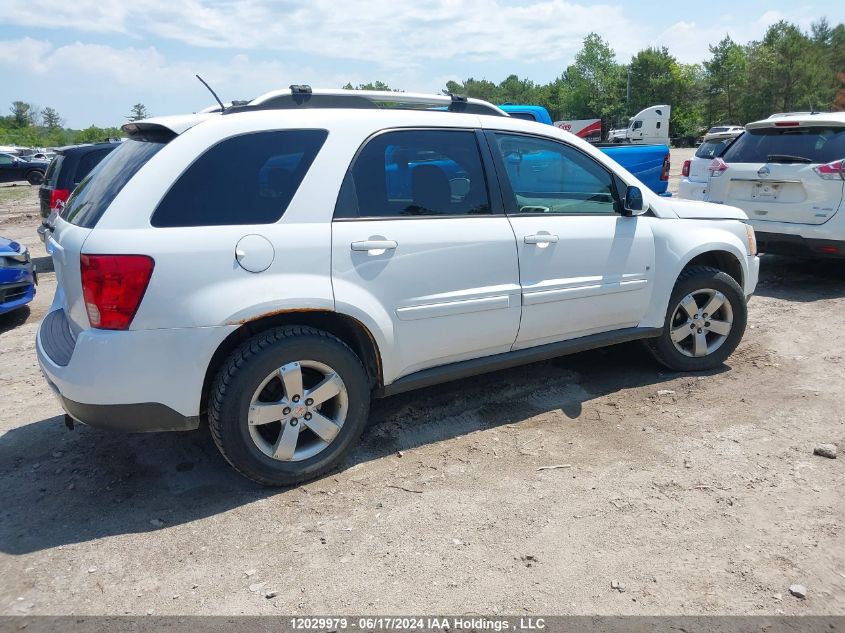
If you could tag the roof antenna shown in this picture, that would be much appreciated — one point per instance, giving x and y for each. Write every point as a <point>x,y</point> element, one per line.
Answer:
<point>213,94</point>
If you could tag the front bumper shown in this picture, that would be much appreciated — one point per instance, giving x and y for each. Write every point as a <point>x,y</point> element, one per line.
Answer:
<point>135,380</point>
<point>17,287</point>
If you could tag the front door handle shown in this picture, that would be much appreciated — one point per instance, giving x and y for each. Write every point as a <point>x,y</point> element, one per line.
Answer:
<point>541,238</point>
<point>374,247</point>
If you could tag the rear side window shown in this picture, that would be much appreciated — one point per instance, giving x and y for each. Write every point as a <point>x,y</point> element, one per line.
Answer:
<point>712,149</point>
<point>51,178</point>
<point>818,144</point>
<point>416,173</point>
<point>246,179</point>
<point>100,187</point>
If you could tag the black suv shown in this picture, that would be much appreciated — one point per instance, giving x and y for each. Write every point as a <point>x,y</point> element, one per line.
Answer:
<point>69,166</point>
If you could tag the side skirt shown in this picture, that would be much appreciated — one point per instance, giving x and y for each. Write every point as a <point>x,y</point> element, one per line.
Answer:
<point>475,366</point>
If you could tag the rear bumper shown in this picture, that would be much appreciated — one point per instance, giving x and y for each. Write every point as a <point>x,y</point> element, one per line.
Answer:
<point>137,380</point>
<point>691,190</point>
<point>797,245</point>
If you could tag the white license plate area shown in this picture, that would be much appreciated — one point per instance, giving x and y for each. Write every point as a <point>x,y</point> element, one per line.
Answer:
<point>765,191</point>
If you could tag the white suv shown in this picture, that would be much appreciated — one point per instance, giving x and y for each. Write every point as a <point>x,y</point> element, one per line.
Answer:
<point>272,267</point>
<point>787,173</point>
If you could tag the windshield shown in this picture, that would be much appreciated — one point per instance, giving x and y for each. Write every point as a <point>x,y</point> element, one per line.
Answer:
<point>98,189</point>
<point>817,144</point>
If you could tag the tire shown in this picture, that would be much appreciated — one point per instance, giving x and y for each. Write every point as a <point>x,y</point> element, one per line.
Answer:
<point>35,177</point>
<point>698,282</point>
<point>249,378</point>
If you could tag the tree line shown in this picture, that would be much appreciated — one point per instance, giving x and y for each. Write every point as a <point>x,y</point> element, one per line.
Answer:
<point>789,69</point>
<point>27,125</point>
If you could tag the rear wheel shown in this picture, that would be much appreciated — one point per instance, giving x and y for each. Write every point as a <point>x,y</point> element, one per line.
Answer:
<point>35,177</point>
<point>705,321</point>
<point>289,405</point>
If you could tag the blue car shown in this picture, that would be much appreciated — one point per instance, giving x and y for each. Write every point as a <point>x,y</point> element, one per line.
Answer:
<point>17,276</point>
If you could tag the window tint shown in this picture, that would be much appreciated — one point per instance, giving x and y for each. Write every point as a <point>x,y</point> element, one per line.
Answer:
<point>5,159</point>
<point>416,173</point>
<point>712,149</point>
<point>100,187</point>
<point>87,162</point>
<point>819,144</point>
<point>550,177</point>
<point>246,179</point>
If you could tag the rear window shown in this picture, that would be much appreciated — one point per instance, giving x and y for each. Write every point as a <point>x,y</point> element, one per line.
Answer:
<point>818,144</point>
<point>712,149</point>
<point>51,177</point>
<point>526,116</point>
<point>100,187</point>
<point>246,179</point>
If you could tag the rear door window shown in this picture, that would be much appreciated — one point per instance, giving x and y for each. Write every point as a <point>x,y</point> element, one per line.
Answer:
<point>416,173</point>
<point>246,179</point>
<point>100,187</point>
<point>817,144</point>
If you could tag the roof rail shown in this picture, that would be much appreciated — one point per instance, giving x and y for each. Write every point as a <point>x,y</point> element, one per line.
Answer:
<point>304,97</point>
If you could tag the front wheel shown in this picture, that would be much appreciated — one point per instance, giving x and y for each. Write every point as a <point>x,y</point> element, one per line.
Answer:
<point>289,405</point>
<point>705,321</point>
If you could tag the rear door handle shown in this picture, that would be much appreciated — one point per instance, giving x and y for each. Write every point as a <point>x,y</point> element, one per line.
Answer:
<point>374,247</point>
<point>541,238</point>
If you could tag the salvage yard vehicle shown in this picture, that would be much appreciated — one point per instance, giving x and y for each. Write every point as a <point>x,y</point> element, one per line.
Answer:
<point>17,276</point>
<point>695,172</point>
<point>260,268</point>
<point>14,168</point>
<point>787,173</point>
<point>67,169</point>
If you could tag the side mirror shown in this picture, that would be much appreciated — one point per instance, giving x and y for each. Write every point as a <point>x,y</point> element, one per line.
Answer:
<point>633,204</point>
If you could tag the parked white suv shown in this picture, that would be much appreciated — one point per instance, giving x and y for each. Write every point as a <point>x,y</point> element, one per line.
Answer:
<point>272,267</point>
<point>787,173</point>
<point>695,172</point>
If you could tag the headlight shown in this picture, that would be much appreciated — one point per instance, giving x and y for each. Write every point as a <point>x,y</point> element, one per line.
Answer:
<point>20,258</point>
<point>751,238</point>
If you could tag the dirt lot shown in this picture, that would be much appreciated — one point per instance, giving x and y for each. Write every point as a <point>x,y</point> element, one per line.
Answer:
<point>700,494</point>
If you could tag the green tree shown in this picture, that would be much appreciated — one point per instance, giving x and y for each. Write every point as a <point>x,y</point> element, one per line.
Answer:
<point>138,112</point>
<point>726,79</point>
<point>23,114</point>
<point>476,88</point>
<point>593,85</point>
<point>51,119</point>
<point>376,85</point>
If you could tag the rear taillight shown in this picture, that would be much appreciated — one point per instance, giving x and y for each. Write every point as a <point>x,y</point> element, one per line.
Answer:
<point>58,197</point>
<point>685,168</point>
<point>113,286</point>
<point>717,167</point>
<point>832,171</point>
<point>664,175</point>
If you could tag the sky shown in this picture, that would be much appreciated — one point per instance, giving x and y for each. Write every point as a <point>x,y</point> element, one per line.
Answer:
<point>93,59</point>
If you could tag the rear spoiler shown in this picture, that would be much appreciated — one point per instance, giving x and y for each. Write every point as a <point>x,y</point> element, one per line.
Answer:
<point>164,128</point>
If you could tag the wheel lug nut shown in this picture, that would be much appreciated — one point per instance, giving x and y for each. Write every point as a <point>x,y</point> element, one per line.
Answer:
<point>704,316</point>
<point>692,326</point>
<point>307,416</point>
<point>286,410</point>
<point>695,317</point>
<point>296,398</point>
<point>699,330</point>
<point>294,422</point>
<point>707,324</point>
<point>309,401</point>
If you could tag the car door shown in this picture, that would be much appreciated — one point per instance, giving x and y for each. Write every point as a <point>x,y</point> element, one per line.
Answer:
<point>584,267</point>
<point>419,249</point>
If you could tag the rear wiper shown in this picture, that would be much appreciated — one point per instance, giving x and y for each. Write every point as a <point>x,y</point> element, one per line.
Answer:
<point>786,158</point>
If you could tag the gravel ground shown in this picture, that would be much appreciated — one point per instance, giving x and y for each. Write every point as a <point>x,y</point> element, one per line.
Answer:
<point>696,494</point>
